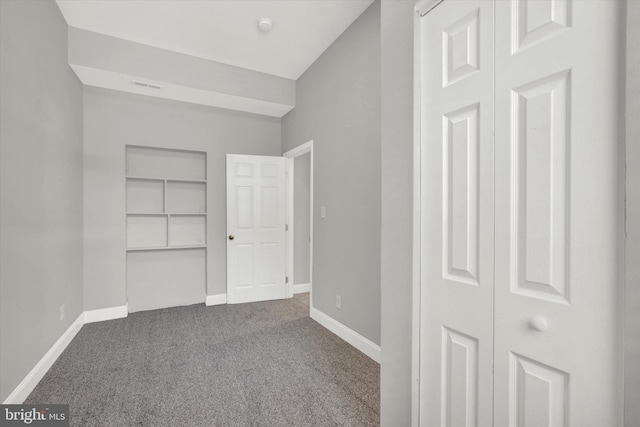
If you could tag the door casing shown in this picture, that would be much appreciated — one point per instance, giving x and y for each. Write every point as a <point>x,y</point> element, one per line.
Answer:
<point>290,156</point>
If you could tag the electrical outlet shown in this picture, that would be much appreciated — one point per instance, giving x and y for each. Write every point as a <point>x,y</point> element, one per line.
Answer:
<point>338,302</point>
<point>62,312</point>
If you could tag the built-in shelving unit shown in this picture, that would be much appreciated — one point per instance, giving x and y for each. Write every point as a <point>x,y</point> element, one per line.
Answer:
<point>166,217</point>
<point>166,199</point>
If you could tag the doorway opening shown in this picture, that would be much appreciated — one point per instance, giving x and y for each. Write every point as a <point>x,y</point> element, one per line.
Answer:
<point>300,220</point>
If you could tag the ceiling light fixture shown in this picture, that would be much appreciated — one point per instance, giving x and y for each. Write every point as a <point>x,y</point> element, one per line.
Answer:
<point>265,25</point>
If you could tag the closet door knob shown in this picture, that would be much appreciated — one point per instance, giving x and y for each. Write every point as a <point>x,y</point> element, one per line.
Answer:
<point>231,237</point>
<point>539,324</point>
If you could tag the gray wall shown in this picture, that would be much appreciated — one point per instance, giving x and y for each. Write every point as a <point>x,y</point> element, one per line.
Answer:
<point>127,58</point>
<point>115,119</point>
<point>40,186</point>
<point>301,218</point>
<point>397,214</point>
<point>338,107</point>
<point>632,297</point>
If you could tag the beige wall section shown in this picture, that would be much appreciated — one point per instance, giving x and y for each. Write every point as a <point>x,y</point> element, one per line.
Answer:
<point>115,119</point>
<point>397,214</point>
<point>338,107</point>
<point>632,297</point>
<point>302,216</point>
<point>40,186</point>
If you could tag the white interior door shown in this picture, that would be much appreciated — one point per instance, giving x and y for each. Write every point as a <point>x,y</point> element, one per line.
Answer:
<point>256,263</point>
<point>457,207</point>
<point>556,329</point>
<point>521,218</point>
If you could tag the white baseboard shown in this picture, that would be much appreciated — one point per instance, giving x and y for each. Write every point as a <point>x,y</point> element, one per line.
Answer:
<point>349,335</point>
<point>301,288</point>
<point>103,314</point>
<point>22,391</point>
<point>216,299</point>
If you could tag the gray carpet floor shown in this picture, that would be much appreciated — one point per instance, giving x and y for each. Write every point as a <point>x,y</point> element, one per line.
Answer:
<point>258,364</point>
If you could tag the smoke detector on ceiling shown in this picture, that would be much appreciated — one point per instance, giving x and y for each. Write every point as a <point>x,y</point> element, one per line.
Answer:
<point>265,25</point>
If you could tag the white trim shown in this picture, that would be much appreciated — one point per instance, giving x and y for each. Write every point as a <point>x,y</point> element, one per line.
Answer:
<point>26,386</point>
<point>349,335</point>
<point>300,288</point>
<point>103,314</point>
<point>218,299</point>
<point>417,224</point>
<point>289,206</point>
<point>425,6</point>
<point>300,150</point>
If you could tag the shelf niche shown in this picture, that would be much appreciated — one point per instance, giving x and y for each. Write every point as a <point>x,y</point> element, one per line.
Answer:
<point>166,198</point>
<point>145,195</point>
<point>166,163</point>
<point>146,231</point>
<point>187,230</point>
<point>186,197</point>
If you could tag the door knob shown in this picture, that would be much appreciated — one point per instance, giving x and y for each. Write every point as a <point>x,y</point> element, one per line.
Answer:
<point>540,324</point>
<point>231,237</point>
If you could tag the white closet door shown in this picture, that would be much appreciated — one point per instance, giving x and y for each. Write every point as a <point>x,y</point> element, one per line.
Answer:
<point>457,205</point>
<point>556,213</point>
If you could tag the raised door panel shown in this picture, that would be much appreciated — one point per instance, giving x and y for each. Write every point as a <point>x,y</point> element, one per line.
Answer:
<point>540,188</point>
<point>539,394</point>
<point>269,207</point>
<point>244,212</point>
<point>461,48</point>
<point>270,263</point>
<point>244,265</point>
<point>534,21</point>
<point>460,195</point>
<point>460,379</point>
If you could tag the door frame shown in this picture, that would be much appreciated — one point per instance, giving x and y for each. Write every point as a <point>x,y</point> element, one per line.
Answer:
<point>422,7</point>
<point>631,194</point>
<point>290,156</point>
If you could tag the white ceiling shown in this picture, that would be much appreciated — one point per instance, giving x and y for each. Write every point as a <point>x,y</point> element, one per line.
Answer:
<point>224,30</point>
